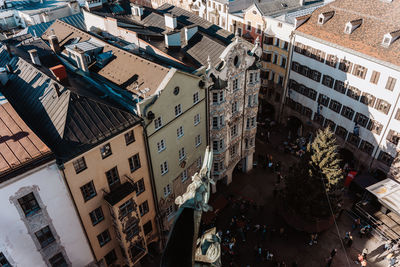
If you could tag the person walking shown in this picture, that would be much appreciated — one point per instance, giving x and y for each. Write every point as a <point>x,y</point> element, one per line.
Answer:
<point>333,252</point>
<point>329,261</point>
<point>364,263</point>
<point>364,253</point>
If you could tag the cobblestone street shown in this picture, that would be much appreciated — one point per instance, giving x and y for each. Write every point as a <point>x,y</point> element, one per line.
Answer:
<point>291,246</point>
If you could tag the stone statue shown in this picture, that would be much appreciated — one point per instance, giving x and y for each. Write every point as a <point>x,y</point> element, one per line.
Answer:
<point>182,241</point>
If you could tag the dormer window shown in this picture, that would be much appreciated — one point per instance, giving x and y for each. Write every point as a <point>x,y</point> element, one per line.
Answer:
<point>352,25</point>
<point>389,38</point>
<point>324,17</point>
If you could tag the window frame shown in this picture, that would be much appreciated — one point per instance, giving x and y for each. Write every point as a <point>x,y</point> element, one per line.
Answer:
<point>92,187</point>
<point>129,137</point>
<point>134,162</point>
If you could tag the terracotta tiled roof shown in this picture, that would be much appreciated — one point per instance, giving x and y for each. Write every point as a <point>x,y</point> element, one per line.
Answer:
<point>19,146</point>
<point>378,18</point>
<point>126,70</point>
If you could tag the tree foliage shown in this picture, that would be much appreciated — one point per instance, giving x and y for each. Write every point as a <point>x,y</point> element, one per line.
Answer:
<point>315,176</point>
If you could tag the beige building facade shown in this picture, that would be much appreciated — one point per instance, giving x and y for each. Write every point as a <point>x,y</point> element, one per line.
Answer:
<point>176,128</point>
<point>112,190</point>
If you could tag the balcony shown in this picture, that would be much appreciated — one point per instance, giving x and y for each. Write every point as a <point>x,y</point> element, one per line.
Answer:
<point>119,193</point>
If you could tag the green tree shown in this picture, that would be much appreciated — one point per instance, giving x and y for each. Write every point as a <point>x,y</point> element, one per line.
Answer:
<point>315,176</point>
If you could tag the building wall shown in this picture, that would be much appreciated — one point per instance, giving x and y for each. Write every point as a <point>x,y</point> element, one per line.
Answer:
<point>96,169</point>
<point>253,15</point>
<point>377,139</point>
<point>17,239</point>
<point>164,107</point>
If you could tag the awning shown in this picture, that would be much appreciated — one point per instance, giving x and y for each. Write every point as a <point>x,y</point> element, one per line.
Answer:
<point>388,194</point>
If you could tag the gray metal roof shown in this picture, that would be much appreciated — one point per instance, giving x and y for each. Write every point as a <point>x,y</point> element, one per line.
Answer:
<point>278,7</point>
<point>69,122</point>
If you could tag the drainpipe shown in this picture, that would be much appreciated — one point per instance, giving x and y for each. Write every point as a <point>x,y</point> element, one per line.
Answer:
<point>285,84</point>
<point>61,168</point>
<point>384,132</point>
<point>159,220</point>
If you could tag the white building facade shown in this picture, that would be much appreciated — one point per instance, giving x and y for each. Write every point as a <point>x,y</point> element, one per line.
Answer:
<point>39,225</point>
<point>355,94</point>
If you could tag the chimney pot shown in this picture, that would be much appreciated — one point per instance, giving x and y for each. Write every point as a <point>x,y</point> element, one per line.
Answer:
<point>57,88</point>
<point>170,21</point>
<point>3,76</point>
<point>53,40</point>
<point>302,2</point>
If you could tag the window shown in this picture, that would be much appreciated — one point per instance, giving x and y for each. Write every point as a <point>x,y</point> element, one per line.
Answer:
<point>56,261</point>
<point>354,93</point>
<point>335,106</point>
<point>133,228</point>
<point>267,57</point>
<point>104,238</point>
<point>275,59</point>
<point>197,140</point>
<point>259,29</point>
<point>248,26</point>
<point>391,82</point>
<point>113,177</point>
<point>181,154</point>
<point>198,162</point>
<point>345,65</point>
<point>218,145</point>
<point>393,137</point>
<point>195,97</point>
<point>347,112</point>
<point>385,158</point>
<point>235,107</point>
<point>88,191</point>
<point>167,190</point>
<point>283,62</point>
<point>319,119</point>
<point>276,42</point>
<point>161,145</point>
<point>111,257</point>
<point>359,71</point>
<point>375,127</point>
<point>3,261</point>
<point>178,110</point>
<point>285,45</point>
<point>129,137</point>
<point>148,228</point>
<point>269,40</point>
<point>234,130</point>
<point>341,132</point>
<point>45,237</point>
<point>105,151</point>
<point>366,147</point>
<point>218,97</point>
<point>140,188</point>
<point>134,162</point>
<point>164,168</point>
<point>184,176</point>
<point>96,216</point>
<point>280,80</point>
<point>323,100</point>
<point>316,75</point>
<point>295,66</point>
<point>330,124</point>
<point>79,165</point>
<point>169,211</point>
<point>327,81</point>
<point>353,139</point>
<point>368,99</point>
<point>144,208</point>
<point>29,204</point>
<point>126,208</point>
<point>375,77</point>
<point>251,77</point>
<point>179,132</point>
<point>397,116</point>
<point>272,77</point>
<point>218,122</point>
<point>340,87</point>
<point>382,106</point>
<point>361,119</point>
<point>233,151</point>
<point>307,112</point>
<point>331,60</point>
<point>157,123</point>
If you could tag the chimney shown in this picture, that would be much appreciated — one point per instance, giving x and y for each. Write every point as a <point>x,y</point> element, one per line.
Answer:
<point>170,22</point>
<point>302,2</point>
<point>137,11</point>
<point>54,45</point>
<point>3,76</point>
<point>59,72</point>
<point>34,57</point>
<point>190,31</point>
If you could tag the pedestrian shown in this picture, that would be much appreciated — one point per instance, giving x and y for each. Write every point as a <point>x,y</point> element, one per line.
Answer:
<point>356,223</point>
<point>333,252</point>
<point>329,261</point>
<point>268,135</point>
<point>364,253</point>
<point>311,240</point>
<point>350,242</point>
<point>364,263</point>
<point>392,261</point>
<point>360,258</point>
<point>388,245</point>
<point>362,232</point>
